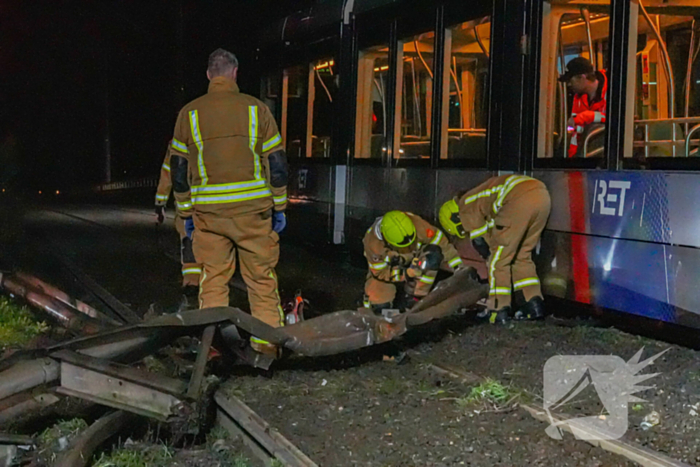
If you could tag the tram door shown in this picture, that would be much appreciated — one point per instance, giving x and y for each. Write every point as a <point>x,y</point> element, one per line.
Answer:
<point>666,104</point>
<point>666,86</point>
<point>571,31</point>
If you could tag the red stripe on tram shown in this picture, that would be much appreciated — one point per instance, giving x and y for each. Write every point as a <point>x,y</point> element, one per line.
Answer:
<point>579,241</point>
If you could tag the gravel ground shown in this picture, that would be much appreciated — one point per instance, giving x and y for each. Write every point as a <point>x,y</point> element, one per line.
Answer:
<point>372,411</point>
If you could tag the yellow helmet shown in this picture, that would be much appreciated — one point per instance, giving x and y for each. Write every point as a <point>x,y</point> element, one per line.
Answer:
<point>398,229</point>
<point>449,219</point>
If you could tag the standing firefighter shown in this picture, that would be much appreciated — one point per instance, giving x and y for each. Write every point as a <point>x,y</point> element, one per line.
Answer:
<point>238,169</point>
<point>403,249</point>
<point>504,218</point>
<point>190,269</point>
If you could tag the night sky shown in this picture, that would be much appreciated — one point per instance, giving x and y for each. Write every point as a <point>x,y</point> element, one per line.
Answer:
<point>70,68</point>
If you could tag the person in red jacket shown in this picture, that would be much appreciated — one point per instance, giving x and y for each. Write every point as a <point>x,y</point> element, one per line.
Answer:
<point>590,88</point>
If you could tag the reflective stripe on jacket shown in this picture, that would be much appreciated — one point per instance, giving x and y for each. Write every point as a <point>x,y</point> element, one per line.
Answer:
<point>479,207</point>
<point>165,182</point>
<point>227,137</point>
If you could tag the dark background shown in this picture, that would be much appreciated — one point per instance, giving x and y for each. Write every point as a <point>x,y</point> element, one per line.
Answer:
<point>71,69</point>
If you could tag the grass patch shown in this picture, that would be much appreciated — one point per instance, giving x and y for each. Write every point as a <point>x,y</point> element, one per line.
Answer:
<point>222,451</point>
<point>694,375</point>
<point>17,325</point>
<point>390,386</point>
<point>142,456</point>
<point>56,439</point>
<point>490,392</point>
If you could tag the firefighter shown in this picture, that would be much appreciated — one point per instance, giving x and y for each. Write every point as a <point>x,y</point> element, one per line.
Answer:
<point>191,270</point>
<point>230,144</point>
<point>403,249</point>
<point>590,105</point>
<point>504,218</point>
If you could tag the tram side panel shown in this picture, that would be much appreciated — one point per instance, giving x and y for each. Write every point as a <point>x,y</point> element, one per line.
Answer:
<point>310,192</point>
<point>623,240</point>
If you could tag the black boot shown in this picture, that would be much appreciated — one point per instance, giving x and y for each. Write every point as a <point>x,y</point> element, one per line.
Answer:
<point>377,309</point>
<point>532,310</point>
<point>501,316</point>
<point>191,292</point>
<point>405,301</point>
<point>483,315</point>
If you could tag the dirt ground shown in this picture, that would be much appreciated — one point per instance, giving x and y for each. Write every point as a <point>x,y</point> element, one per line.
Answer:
<point>375,412</point>
<point>366,408</point>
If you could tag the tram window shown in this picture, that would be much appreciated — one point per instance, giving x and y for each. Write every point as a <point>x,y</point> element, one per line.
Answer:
<point>322,90</point>
<point>667,84</point>
<point>372,86</point>
<point>295,84</point>
<point>574,79</point>
<point>415,96</point>
<point>465,106</point>
<point>269,92</point>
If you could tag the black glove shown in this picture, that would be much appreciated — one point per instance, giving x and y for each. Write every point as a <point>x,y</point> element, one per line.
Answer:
<point>482,247</point>
<point>397,262</point>
<point>160,214</point>
<point>431,258</point>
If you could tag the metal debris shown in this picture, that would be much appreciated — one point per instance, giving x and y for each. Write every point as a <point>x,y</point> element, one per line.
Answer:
<point>651,420</point>
<point>84,445</point>
<point>94,367</point>
<point>61,313</point>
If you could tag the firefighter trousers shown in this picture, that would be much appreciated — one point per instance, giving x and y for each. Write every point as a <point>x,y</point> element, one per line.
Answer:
<point>216,241</point>
<point>517,230</point>
<point>191,270</point>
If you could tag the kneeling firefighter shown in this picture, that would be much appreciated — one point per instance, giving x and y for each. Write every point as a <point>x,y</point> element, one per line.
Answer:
<point>403,249</point>
<point>504,218</point>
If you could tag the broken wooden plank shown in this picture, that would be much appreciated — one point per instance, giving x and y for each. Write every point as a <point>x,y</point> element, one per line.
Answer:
<point>641,455</point>
<point>235,431</point>
<point>465,377</point>
<point>267,437</point>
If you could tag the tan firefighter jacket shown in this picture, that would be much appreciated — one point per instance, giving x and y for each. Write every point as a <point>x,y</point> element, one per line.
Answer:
<point>381,256</point>
<point>165,183</point>
<point>227,137</point>
<point>479,207</point>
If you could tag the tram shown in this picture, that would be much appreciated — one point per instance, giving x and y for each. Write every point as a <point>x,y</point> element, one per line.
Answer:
<point>398,104</point>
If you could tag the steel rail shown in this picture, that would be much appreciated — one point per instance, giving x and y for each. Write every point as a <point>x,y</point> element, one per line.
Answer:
<point>99,292</point>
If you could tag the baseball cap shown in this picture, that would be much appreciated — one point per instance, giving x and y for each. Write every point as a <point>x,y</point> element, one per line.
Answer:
<point>576,66</point>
